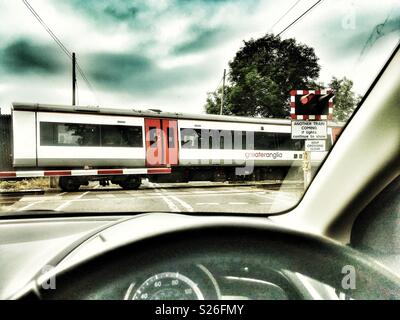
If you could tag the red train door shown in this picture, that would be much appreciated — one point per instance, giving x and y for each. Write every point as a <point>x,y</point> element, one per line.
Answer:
<point>170,130</point>
<point>161,142</point>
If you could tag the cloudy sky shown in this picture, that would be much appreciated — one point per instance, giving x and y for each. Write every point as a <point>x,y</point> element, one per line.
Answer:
<point>168,54</point>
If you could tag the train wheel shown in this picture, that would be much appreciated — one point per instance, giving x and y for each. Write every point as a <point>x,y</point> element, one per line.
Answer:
<point>69,184</point>
<point>131,183</point>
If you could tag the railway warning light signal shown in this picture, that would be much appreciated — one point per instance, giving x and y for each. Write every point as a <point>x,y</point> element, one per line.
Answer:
<point>311,104</point>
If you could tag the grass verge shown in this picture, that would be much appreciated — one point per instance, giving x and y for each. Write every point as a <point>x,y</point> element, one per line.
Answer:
<point>26,184</point>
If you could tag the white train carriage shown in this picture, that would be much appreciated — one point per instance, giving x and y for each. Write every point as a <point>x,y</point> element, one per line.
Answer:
<point>52,139</point>
<point>266,143</point>
<point>193,147</point>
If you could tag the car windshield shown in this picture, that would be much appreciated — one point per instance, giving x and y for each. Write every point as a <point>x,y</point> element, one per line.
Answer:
<point>179,106</point>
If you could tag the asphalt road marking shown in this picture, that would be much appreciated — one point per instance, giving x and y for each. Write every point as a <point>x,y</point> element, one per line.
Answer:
<point>238,203</point>
<point>167,198</point>
<point>184,204</point>
<point>67,203</point>
<point>169,203</point>
<point>37,200</point>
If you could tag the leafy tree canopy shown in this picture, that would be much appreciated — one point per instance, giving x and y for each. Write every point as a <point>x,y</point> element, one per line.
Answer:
<point>262,74</point>
<point>345,100</point>
<point>264,71</point>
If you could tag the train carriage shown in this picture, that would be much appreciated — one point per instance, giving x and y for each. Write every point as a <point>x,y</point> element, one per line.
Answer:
<point>80,144</point>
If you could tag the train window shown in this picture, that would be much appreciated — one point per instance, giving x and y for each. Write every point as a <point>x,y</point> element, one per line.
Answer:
<point>190,138</point>
<point>239,140</point>
<point>248,140</point>
<point>89,135</point>
<point>211,139</point>
<point>216,139</point>
<point>285,142</point>
<point>79,134</point>
<point>264,141</point>
<point>153,137</point>
<point>205,139</point>
<point>134,136</point>
<point>69,134</point>
<point>226,137</point>
<point>171,140</point>
<point>121,136</point>
<point>47,134</point>
<point>110,136</point>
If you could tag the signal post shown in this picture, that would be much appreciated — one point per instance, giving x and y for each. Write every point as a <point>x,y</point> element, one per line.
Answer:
<point>310,111</point>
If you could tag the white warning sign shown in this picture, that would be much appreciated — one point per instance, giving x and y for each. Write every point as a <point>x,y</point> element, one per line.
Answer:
<point>315,145</point>
<point>309,129</point>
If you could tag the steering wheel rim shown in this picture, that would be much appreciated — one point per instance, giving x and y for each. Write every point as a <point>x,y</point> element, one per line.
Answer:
<point>318,258</point>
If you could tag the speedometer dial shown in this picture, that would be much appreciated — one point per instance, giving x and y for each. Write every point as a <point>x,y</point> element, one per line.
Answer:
<point>168,286</point>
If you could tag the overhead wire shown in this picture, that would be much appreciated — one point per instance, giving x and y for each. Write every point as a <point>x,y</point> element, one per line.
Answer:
<point>62,47</point>
<point>299,17</point>
<point>284,15</point>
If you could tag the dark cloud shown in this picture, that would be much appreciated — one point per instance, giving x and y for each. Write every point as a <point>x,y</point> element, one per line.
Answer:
<point>136,74</point>
<point>202,38</point>
<point>114,69</point>
<point>118,14</point>
<point>142,14</point>
<point>23,56</point>
<point>114,10</point>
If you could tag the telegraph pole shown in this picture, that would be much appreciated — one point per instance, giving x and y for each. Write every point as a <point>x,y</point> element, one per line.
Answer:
<point>223,93</point>
<point>73,78</point>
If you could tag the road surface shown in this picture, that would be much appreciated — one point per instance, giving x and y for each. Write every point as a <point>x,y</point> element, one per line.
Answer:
<point>183,197</point>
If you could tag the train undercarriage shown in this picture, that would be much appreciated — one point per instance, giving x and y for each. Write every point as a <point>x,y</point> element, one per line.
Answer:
<point>179,174</point>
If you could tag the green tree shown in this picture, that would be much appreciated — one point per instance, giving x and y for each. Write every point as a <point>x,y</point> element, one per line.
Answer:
<point>262,74</point>
<point>213,103</point>
<point>345,100</point>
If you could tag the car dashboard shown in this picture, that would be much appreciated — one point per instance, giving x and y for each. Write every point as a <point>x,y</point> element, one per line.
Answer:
<point>31,247</point>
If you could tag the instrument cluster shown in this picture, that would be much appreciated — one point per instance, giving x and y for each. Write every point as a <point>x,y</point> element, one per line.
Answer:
<point>208,282</point>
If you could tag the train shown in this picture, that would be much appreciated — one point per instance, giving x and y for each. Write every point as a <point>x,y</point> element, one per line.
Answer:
<point>79,144</point>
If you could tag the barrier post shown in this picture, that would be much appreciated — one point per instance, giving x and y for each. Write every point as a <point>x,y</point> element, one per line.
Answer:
<point>306,168</point>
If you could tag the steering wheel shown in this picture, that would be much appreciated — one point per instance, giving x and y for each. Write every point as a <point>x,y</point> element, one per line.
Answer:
<point>269,246</point>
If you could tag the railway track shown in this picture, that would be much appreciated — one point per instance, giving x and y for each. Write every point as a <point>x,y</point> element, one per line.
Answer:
<point>261,184</point>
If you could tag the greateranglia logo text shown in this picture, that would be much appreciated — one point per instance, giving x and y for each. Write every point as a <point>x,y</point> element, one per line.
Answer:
<point>273,155</point>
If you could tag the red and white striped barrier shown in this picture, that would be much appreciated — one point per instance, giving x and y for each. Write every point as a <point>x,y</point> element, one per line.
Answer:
<point>293,95</point>
<point>88,172</point>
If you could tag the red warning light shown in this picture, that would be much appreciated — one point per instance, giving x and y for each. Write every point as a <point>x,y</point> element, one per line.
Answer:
<point>307,98</point>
